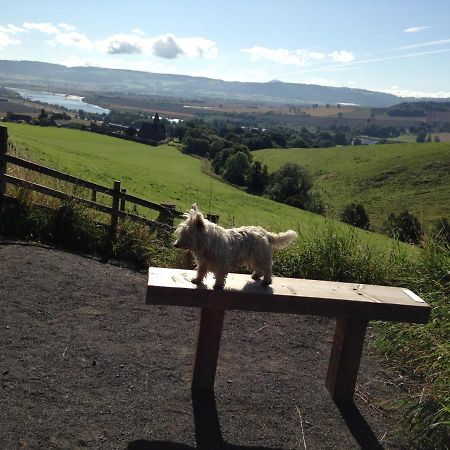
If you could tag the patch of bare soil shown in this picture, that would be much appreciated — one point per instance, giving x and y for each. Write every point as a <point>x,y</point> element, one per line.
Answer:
<point>84,363</point>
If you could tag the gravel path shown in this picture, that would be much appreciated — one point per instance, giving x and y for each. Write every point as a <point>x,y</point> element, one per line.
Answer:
<point>84,363</point>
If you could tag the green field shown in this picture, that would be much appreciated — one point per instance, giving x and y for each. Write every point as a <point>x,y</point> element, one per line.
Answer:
<point>384,178</point>
<point>160,174</point>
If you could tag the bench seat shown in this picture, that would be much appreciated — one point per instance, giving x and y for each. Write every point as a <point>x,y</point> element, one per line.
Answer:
<point>352,305</point>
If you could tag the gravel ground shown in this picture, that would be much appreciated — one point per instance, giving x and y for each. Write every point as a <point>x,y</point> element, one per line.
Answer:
<point>84,363</point>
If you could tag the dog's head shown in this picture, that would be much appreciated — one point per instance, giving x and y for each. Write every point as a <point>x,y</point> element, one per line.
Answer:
<point>189,232</point>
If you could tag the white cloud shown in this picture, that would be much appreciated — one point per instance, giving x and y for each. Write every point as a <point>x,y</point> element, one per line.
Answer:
<point>283,56</point>
<point>198,47</point>
<point>12,29</point>
<point>122,44</point>
<point>396,90</point>
<point>6,40</point>
<point>415,29</point>
<point>166,47</point>
<point>66,27</point>
<point>138,31</point>
<point>341,56</point>
<point>72,38</point>
<point>298,57</point>
<point>43,27</point>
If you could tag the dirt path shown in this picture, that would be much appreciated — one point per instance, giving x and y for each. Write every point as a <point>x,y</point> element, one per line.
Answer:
<point>84,363</point>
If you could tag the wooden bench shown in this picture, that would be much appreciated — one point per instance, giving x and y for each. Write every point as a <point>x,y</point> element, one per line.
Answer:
<point>353,305</point>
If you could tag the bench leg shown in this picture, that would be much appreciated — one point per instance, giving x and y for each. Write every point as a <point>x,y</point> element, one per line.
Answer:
<point>207,352</point>
<point>345,357</point>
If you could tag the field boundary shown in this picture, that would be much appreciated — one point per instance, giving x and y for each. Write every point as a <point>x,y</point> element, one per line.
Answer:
<point>119,196</point>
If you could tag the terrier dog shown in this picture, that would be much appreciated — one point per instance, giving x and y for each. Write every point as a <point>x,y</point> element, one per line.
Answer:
<point>218,250</point>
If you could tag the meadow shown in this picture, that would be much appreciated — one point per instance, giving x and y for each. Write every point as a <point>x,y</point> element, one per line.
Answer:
<point>161,174</point>
<point>383,178</point>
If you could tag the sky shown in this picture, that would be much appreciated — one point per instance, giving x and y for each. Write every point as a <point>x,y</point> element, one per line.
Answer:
<point>396,46</point>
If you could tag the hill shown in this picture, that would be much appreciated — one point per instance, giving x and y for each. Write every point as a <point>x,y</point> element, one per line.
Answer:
<point>384,178</point>
<point>161,174</point>
<point>83,79</point>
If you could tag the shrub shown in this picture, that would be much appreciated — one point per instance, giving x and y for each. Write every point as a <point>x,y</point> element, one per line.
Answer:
<point>355,215</point>
<point>72,228</point>
<point>404,227</point>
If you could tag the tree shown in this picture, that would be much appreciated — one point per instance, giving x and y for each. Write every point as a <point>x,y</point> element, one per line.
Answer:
<point>290,184</point>
<point>257,179</point>
<point>355,214</point>
<point>404,227</point>
<point>421,137</point>
<point>236,168</point>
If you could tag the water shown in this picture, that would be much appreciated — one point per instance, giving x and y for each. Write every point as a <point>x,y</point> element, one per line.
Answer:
<point>71,102</point>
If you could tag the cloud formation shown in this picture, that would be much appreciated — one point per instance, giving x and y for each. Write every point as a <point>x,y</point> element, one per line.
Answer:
<point>119,44</point>
<point>166,47</point>
<point>43,27</point>
<point>415,29</point>
<point>342,56</point>
<point>6,39</point>
<point>298,57</point>
<point>283,56</point>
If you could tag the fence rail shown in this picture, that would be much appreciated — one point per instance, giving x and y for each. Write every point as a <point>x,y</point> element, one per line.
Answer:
<point>167,212</point>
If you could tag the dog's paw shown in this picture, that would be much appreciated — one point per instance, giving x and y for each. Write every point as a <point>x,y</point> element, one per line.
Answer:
<point>218,286</point>
<point>266,282</point>
<point>196,281</point>
<point>255,276</point>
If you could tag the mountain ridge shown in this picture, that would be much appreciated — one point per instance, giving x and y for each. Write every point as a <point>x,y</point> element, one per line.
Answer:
<point>90,78</point>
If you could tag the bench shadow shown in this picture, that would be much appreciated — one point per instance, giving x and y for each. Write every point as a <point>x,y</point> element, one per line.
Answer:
<point>357,425</point>
<point>208,435</point>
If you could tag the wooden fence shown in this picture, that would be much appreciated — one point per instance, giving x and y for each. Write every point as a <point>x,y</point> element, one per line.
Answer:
<point>164,221</point>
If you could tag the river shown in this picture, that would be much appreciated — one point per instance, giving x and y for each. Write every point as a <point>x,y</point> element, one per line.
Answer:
<point>71,102</point>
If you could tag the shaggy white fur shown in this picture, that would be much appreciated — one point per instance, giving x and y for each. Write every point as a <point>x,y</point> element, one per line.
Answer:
<point>219,250</point>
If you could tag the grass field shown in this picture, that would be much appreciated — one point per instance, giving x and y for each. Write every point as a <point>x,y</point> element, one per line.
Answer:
<point>384,178</point>
<point>160,174</point>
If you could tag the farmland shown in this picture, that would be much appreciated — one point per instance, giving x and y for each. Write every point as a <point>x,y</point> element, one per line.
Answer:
<point>384,178</point>
<point>160,174</point>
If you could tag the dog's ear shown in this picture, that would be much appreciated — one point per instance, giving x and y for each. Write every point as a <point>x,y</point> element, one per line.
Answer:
<point>199,221</point>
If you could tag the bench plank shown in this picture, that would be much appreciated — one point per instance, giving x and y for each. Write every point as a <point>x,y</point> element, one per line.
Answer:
<point>287,295</point>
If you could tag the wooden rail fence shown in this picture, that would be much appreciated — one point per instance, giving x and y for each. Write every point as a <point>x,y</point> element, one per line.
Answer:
<point>163,223</point>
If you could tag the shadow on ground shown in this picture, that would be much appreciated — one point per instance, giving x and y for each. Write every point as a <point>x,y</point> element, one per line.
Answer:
<point>209,436</point>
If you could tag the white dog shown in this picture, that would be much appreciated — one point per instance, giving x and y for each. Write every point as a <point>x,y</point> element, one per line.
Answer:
<point>219,250</point>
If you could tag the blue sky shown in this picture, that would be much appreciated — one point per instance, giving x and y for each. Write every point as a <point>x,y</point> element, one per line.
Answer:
<point>396,46</point>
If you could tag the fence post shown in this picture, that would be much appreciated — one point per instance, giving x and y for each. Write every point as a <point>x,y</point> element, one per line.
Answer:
<point>114,213</point>
<point>3,164</point>
<point>122,200</point>
<point>94,195</point>
<point>166,219</point>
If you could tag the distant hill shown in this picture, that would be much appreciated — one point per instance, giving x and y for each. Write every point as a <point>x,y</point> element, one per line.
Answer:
<point>81,79</point>
<point>384,178</point>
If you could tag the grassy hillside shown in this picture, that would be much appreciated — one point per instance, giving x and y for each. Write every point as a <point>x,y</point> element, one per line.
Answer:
<point>384,178</point>
<point>160,174</point>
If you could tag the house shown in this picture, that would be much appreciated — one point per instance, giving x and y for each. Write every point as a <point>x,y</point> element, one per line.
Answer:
<point>155,131</point>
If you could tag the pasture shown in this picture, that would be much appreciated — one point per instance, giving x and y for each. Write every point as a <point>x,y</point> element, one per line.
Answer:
<point>161,174</point>
<point>384,178</point>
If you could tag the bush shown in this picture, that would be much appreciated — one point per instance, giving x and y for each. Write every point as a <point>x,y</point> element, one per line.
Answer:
<point>292,185</point>
<point>355,215</point>
<point>72,228</point>
<point>405,227</point>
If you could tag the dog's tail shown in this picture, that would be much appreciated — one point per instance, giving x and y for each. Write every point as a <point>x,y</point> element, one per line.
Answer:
<point>282,240</point>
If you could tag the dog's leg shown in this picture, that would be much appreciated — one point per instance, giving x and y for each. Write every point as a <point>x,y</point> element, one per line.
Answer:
<point>201,273</point>
<point>220,280</point>
<point>256,276</point>
<point>267,278</point>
